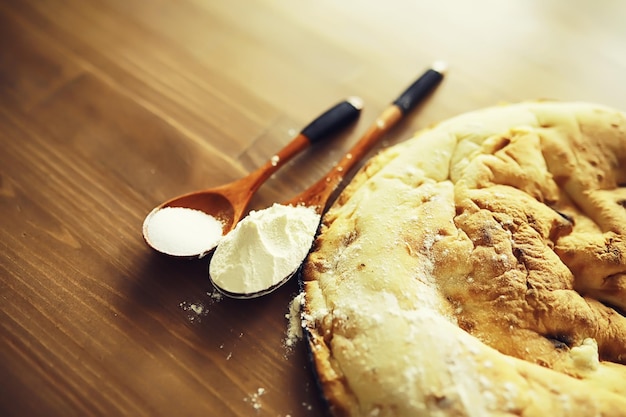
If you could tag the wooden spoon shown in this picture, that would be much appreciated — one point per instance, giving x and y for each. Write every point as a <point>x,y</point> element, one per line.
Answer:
<point>228,202</point>
<point>319,194</point>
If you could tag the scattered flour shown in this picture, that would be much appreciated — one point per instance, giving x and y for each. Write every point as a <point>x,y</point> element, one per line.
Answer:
<point>255,399</point>
<point>215,295</point>
<point>198,309</point>
<point>195,311</point>
<point>294,329</point>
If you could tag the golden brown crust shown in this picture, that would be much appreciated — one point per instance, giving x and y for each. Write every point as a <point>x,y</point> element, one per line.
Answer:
<point>479,268</point>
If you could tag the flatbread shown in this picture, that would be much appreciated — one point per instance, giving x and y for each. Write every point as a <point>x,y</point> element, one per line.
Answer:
<point>478,268</point>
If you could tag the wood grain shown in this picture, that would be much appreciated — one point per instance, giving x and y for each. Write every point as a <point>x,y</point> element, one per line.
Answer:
<point>108,108</point>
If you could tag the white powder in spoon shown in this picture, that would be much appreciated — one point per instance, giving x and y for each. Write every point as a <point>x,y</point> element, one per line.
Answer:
<point>181,231</point>
<point>263,249</point>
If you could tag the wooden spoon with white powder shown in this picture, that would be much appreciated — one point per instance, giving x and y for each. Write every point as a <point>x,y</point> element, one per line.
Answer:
<point>191,225</point>
<point>268,246</point>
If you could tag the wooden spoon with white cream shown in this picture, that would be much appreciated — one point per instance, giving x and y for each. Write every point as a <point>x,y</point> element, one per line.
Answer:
<point>268,246</point>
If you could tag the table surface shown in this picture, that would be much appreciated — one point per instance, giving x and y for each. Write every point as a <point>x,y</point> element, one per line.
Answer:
<point>107,108</point>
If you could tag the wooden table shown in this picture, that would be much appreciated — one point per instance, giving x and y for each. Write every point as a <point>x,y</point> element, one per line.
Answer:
<point>108,108</point>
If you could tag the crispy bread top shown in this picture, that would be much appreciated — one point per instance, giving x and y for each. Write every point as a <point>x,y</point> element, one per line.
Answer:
<point>478,268</point>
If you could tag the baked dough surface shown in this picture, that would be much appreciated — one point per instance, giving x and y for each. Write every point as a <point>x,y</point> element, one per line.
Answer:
<point>478,268</point>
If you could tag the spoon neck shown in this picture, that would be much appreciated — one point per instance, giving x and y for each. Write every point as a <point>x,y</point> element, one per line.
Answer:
<point>385,121</point>
<point>297,144</point>
<point>319,193</point>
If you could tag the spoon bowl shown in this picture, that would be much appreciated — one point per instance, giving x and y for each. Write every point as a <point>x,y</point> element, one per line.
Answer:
<point>227,203</point>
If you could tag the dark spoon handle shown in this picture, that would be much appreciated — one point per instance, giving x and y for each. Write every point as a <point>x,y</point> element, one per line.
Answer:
<point>417,91</point>
<point>333,120</point>
<point>338,116</point>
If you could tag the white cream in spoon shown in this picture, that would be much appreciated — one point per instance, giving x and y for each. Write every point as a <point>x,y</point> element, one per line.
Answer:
<point>264,249</point>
